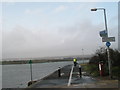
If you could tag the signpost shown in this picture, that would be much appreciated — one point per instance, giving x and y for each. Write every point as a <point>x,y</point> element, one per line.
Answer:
<point>108,40</point>
<point>30,62</point>
<point>109,60</point>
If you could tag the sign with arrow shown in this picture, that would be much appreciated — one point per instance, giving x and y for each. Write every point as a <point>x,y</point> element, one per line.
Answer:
<point>108,44</point>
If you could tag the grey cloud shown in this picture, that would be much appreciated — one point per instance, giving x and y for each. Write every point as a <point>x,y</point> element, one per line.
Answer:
<point>22,42</point>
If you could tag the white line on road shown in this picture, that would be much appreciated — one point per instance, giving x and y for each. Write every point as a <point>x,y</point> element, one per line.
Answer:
<point>70,78</point>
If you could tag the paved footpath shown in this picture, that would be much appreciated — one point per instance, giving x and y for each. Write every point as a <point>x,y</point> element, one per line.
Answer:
<point>72,79</point>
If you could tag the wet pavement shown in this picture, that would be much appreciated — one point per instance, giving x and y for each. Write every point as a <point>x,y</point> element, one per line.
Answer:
<point>54,80</point>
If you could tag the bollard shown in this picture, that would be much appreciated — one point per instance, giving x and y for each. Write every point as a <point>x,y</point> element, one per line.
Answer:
<point>31,82</point>
<point>59,72</point>
<point>80,71</point>
<point>101,68</point>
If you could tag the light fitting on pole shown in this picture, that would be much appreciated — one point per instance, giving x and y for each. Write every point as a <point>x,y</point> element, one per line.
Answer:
<point>94,9</point>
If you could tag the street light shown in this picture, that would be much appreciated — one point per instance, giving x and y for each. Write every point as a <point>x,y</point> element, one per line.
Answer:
<point>95,9</point>
<point>108,52</point>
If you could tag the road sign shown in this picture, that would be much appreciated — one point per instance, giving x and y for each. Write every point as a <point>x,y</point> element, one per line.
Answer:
<point>108,44</point>
<point>103,33</point>
<point>108,39</point>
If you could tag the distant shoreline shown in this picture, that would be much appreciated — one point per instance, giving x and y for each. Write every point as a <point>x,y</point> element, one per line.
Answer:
<point>33,61</point>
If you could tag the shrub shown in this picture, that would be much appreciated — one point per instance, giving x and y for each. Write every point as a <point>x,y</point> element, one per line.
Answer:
<point>101,55</point>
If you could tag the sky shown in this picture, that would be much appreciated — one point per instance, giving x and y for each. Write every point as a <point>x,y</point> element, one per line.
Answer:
<point>42,29</point>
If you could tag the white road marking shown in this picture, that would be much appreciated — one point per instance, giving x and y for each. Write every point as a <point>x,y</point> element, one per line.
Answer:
<point>70,78</point>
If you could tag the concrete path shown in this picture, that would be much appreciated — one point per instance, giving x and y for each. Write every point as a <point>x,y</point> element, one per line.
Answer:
<point>54,81</point>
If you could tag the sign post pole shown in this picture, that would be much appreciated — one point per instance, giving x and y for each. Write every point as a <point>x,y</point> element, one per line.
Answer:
<point>30,62</point>
<point>109,60</point>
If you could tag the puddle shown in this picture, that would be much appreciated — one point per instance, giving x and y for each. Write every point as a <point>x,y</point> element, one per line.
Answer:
<point>83,80</point>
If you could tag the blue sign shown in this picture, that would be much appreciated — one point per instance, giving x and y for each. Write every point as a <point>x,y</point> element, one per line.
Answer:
<point>103,33</point>
<point>108,44</point>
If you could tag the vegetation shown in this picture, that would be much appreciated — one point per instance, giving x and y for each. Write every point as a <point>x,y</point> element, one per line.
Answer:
<point>101,56</point>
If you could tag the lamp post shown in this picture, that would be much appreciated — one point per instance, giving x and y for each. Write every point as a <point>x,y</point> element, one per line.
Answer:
<point>95,9</point>
<point>108,52</point>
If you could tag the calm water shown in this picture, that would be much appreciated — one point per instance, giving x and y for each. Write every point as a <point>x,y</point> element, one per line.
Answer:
<point>17,76</point>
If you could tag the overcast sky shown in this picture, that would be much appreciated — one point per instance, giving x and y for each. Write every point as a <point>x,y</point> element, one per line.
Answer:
<point>41,29</point>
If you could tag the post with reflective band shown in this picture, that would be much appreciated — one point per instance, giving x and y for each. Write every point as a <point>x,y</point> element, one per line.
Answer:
<point>59,72</point>
<point>80,71</point>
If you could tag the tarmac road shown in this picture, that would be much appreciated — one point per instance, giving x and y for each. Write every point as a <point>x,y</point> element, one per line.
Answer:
<point>54,81</point>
